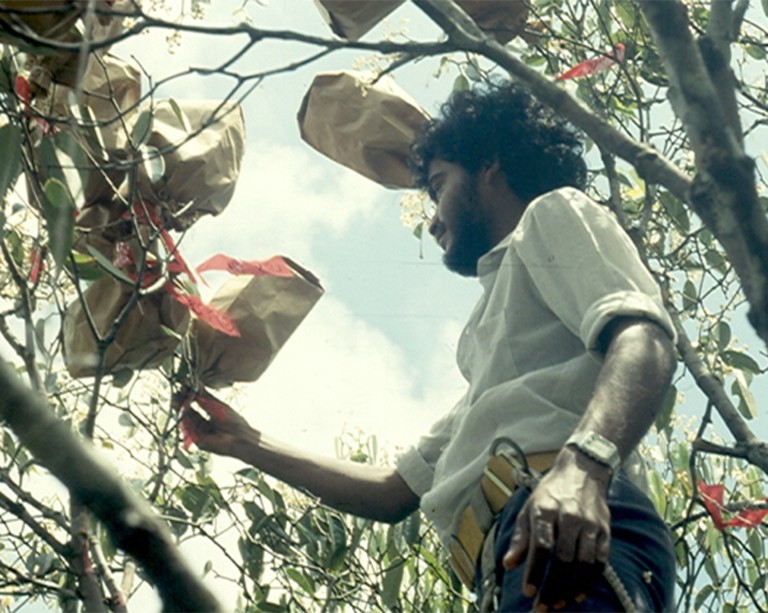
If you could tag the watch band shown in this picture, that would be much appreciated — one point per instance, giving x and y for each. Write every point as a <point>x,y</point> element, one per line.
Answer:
<point>597,447</point>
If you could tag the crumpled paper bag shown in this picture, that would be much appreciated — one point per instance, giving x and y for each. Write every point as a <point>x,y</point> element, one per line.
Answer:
<point>100,226</point>
<point>351,19</point>
<point>368,128</point>
<point>203,170</point>
<point>62,26</point>
<point>111,89</point>
<point>266,310</point>
<point>504,19</point>
<point>141,341</point>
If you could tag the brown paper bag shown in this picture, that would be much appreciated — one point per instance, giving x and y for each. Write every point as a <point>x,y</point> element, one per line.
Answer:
<point>100,226</point>
<point>50,25</point>
<point>111,88</point>
<point>202,170</point>
<point>266,310</point>
<point>61,26</point>
<point>504,19</point>
<point>351,19</point>
<point>366,128</point>
<point>141,341</point>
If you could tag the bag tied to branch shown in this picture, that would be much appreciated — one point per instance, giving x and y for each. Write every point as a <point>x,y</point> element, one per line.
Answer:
<point>202,144</point>
<point>352,19</point>
<point>368,128</point>
<point>266,306</point>
<point>149,334</point>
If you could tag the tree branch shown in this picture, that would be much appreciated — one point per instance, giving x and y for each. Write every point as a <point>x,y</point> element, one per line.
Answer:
<point>131,524</point>
<point>724,193</point>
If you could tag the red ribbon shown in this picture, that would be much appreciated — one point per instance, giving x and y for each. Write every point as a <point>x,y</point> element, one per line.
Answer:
<point>216,318</point>
<point>594,66</point>
<point>146,214</point>
<point>712,497</point>
<point>275,266</point>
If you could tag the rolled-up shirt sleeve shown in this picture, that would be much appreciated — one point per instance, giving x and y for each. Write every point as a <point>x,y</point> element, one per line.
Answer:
<point>585,267</point>
<point>417,465</point>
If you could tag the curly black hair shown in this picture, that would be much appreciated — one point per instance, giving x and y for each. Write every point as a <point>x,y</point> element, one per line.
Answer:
<point>537,150</point>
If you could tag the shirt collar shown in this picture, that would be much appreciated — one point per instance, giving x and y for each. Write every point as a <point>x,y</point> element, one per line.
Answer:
<point>489,263</point>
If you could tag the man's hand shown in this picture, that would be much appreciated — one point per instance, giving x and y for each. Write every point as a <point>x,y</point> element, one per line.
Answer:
<point>563,532</point>
<point>222,433</point>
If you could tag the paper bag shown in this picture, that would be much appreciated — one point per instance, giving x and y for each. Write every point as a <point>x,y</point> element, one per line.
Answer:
<point>366,128</point>
<point>142,342</point>
<point>504,19</point>
<point>111,89</point>
<point>100,226</point>
<point>51,25</point>
<point>203,170</point>
<point>351,19</point>
<point>266,310</point>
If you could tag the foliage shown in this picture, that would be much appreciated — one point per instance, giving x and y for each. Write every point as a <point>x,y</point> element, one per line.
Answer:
<point>283,550</point>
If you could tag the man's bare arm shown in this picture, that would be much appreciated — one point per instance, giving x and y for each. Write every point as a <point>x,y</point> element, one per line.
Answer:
<point>360,489</point>
<point>564,528</point>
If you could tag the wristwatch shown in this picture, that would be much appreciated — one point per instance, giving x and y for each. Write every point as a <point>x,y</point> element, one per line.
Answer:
<point>597,447</point>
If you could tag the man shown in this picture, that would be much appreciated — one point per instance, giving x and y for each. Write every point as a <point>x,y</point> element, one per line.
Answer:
<point>568,356</point>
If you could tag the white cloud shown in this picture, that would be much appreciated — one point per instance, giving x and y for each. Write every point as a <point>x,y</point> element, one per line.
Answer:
<point>337,372</point>
<point>286,198</point>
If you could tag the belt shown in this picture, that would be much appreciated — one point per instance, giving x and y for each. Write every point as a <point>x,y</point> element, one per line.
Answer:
<point>496,486</point>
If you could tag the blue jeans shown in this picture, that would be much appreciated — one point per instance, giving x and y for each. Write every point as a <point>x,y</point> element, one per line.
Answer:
<point>642,554</point>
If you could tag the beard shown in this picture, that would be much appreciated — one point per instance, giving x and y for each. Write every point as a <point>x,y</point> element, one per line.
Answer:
<point>471,238</point>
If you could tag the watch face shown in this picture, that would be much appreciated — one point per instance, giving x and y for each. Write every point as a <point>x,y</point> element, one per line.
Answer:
<point>600,446</point>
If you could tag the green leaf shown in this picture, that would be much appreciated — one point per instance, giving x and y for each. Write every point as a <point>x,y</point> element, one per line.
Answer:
<point>690,296</point>
<point>154,163</point>
<point>300,579</point>
<point>755,51</point>
<point>723,335</point>
<point>122,377</point>
<point>704,593</point>
<point>390,585</point>
<point>126,420</point>
<point>740,361</point>
<point>59,210</point>
<point>10,154</point>
<point>676,210</point>
<point>765,7</point>
<point>461,84</point>
<point>740,387</point>
<point>142,129</point>
<point>180,115</point>
<point>85,266</point>
<point>6,75</point>
<point>665,415</point>
<point>109,266</point>
<point>183,459</point>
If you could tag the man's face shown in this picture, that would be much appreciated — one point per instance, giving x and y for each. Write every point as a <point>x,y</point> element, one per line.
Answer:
<point>459,225</point>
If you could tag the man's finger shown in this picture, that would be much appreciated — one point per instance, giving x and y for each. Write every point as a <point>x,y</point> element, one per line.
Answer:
<point>540,549</point>
<point>518,545</point>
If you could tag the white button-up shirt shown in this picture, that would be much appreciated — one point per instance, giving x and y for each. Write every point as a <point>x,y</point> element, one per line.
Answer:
<point>530,350</point>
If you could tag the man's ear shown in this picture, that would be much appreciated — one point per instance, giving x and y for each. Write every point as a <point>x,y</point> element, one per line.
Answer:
<point>491,173</point>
